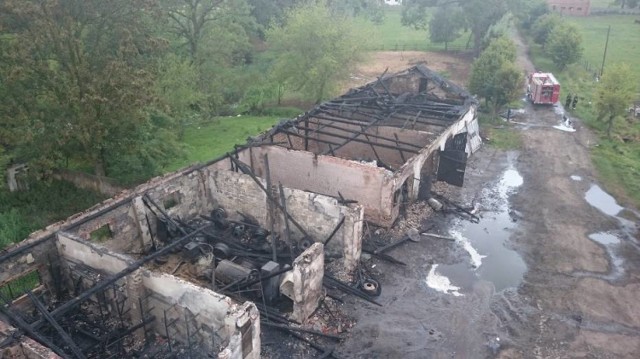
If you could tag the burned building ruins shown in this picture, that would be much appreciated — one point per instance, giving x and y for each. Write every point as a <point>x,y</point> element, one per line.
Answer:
<point>190,264</point>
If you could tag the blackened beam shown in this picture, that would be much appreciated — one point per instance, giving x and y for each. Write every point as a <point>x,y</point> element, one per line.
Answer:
<point>272,220</point>
<point>401,154</point>
<point>146,199</point>
<point>355,135</point>
<point>67,339</point>
<point>31,331</point>
<point>118,334</point>
<point>441,118</point>
<point>338,145</point>
<point>355,138</point>
<point>302,330</point>
<point>400,108</point>
<point>383,84</point>
<point>286,220</point>
<point>244,168</point>
<point>324,124</point>
<point>102,285</point>
<point>335,230</point>
<point>439,121</point>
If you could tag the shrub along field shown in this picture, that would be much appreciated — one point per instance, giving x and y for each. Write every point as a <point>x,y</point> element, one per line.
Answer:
<point>617,159</point>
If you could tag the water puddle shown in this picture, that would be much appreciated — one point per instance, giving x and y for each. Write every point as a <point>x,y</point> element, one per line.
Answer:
<point>576,178</point>
<point>441,283</point>
<point>604,238</point>
<point>603,201</point>
<point>610,243</point>
<point>485,242</point>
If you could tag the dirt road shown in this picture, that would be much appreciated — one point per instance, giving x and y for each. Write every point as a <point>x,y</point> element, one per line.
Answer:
<point>551,271</point>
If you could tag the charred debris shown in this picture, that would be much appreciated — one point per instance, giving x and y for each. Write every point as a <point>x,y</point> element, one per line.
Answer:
<point>264,242</point>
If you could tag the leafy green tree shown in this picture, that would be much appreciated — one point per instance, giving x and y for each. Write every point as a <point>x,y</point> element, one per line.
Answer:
<point>494,75</point>
<point>446,25</point>
<point>543,27</point>
<point>479,15</point>
<point>614,93</point>
<point>177,89</point>
<point>528,11</point>
<point>189,18</point>
<point>564,45</point>
<point>80,79</point>
<point>313,49</point>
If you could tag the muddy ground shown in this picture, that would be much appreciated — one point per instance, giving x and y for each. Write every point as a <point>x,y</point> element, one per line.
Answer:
<point>551,271</point>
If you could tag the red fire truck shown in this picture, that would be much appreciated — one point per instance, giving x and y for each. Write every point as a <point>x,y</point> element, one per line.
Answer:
<point>543,88</point>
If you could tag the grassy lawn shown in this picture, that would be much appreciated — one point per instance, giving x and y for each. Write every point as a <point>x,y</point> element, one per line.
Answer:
<point>206,141</point>
<point>498,133</point>
<point>623,40</point>
<point>617,161</point>
<point>392,36</point>
<point>44,203</point>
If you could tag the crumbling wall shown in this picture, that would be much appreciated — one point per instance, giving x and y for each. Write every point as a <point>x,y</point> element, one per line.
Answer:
<point>199,315</point>
<point>413,169</point>
<point>123,233</point>
<point>320,215</point>
<point>360,151</point>
<point>185,196</point>
<point>236,192</point>
<point>90,262</point>
<point>317,214</point>
<point>329,176</point>
<point>216,320</point>
<point>37,254</point>
<point>304,283</point>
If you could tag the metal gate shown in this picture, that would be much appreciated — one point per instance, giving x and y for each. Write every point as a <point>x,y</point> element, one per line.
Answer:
<point>453,160</point>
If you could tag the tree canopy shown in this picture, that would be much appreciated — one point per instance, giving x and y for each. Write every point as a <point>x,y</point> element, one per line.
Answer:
<point>494,75</point>
<point>446,25</point>
<point>614,94</point>
<point>109,86</point>
<point>543,27</point>
<point>564,45</point>
<point>80,79</point>
<point>313,49</point>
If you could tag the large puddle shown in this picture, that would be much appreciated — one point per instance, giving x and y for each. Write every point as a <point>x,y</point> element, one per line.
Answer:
<point>489,258</point>
<point>602,201</point>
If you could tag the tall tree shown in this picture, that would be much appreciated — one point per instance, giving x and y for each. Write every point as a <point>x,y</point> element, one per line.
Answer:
<point>564,45</point>
<point>494,77</point>
<point>446,25</point>
<point>189,19</point>
<point>545,26</point>
<point>79,78</point>
<point>614,94</point>
<point>314,49</point>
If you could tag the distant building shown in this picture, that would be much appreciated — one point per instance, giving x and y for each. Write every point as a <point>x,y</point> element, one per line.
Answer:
<point>393,2</point>
<point>570,7</point>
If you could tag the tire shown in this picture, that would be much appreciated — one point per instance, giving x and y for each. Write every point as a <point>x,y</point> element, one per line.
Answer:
<point>371,287</point>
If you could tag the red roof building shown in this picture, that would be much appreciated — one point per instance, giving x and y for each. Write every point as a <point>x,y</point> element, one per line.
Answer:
<point>571,7</point>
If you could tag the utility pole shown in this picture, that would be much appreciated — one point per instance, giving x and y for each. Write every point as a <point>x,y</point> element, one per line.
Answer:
<point>604,56</point>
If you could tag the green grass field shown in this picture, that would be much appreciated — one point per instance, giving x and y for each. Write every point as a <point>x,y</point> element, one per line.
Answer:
<point>392,36</point>
<point>623,40</point>
<point>206,141</point>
